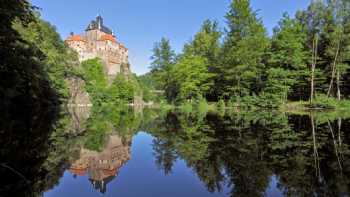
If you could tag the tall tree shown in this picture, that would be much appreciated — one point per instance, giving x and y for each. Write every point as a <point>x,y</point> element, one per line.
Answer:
<point>206,46</point>
<point>312,20</point>
<point>206,42</point>
<point>23,81</point>
<point>192,76</point>
<point>163,59</point>
<point>243,51</point>
<point>163,56</point>
<point>337,42</point>
<point>288,58</point>
<point>59,61</point>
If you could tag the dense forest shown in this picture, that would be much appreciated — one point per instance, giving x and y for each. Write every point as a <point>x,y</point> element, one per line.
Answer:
<point>306,59</point>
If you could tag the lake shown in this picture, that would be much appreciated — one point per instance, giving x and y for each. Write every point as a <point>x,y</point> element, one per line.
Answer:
<point>132,153</point>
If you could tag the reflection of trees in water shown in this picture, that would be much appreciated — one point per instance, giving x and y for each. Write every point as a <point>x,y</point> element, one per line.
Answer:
<point>34,150</point>
<point>38,146</point>
<point>307,153</point>
<point>107,120</point>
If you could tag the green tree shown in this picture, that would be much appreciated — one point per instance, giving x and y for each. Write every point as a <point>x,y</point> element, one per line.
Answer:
<point>163,56</point>
<point>243,52</point>
<point>288,59</point>
<point>312,20</point>
<point>122,89</point>
<point>24,84</point>
<point>163,60</point>
<point>192,76</point>
<point>206,44</point>
<point>60,61</point>
<point>337,41</point>
<point>96,80</point>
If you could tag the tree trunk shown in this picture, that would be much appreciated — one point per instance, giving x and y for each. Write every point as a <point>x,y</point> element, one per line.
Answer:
<point>313,67</point>
<point>333,70</point>
<point>335,145</point>
<point>316,156</point>
<point>339,131</point>
<point>338,85</point>
<point>340,140</point>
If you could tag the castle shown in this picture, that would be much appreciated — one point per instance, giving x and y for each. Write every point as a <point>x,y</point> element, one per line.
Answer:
<point>102,167</point>
<point>99,41</point>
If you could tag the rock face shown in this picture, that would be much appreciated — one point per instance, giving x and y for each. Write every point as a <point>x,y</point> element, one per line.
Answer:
<point>102,167</point>
<point>99,41</point>
<point>78,97</point>
<point>78,105</point>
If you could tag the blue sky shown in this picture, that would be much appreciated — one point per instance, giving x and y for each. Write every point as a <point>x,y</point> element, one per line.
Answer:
<point>140,23</point>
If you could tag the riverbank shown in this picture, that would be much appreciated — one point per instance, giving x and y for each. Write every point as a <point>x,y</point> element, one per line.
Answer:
<point>294,107</point>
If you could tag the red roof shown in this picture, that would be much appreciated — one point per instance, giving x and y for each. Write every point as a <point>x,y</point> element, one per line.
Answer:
<point>108,37</point>
<point>79,172</point>
<point>111,172</point>
<point>75,38</point>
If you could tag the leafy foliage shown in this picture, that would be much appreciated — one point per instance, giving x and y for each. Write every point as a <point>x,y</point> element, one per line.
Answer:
<point>24,84</point>
<point>121,90</point>
<point>306,56</point>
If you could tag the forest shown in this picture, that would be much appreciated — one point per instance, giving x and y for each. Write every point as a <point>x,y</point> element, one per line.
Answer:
<point>306,59</point>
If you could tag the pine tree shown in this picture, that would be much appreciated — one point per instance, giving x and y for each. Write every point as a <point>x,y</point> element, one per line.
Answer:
<point>206,46</point>
<point>288,56</point>
<point>163,60</point>
<point>243,51</point>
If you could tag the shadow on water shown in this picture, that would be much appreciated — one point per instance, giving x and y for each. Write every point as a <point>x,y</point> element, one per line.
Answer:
<point>25,149</point>
<point>36,147</point>
<point>232,154</point>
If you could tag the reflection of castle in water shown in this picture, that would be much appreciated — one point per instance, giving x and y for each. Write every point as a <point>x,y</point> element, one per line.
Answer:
<point>102,167</point>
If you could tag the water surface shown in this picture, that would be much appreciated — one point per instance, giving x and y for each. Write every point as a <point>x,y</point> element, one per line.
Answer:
<point>152,153</point>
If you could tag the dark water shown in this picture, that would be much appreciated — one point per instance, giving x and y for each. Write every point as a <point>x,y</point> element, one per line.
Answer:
<point>123,152</point>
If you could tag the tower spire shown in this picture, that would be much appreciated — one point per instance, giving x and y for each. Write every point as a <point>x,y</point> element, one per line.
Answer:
<point>99,21</point>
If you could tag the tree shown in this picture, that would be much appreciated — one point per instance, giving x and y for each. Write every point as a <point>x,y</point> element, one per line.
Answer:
<point>288,58</point>
<point>337,41</point>
<point>243,52</point>
<point>122,89</point>
<point>96,80</point>
<point>24,82</point>
<point>312,20</point>
<point>163,59</point>
<point>59,61</point>
<point>163,56</point>
<point>206,44</point>
<point>192,76</point>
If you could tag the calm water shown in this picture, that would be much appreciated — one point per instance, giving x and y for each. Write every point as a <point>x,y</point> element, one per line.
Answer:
<point>115,152</point>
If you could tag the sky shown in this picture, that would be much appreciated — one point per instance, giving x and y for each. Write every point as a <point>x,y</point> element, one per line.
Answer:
<point>138,24</point>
